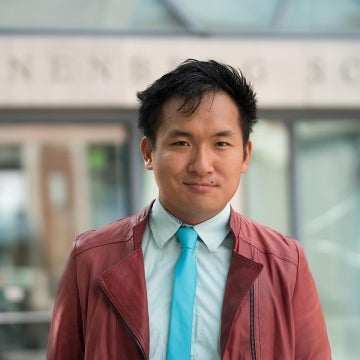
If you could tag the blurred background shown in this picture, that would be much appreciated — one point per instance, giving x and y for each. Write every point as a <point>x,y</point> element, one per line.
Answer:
<point>69,154</point>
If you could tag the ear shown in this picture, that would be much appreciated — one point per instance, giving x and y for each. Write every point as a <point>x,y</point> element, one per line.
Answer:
<point>146,151</point>
<point>247,155</point>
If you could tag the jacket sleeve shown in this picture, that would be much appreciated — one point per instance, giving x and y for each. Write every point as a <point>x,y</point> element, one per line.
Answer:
<point>311,340</point>
<point>66,341</point>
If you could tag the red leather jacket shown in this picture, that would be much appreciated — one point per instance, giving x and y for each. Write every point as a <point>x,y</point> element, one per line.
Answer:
<point>271,308</point>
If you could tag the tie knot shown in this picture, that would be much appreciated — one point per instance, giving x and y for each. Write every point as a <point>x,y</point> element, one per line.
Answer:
<point>187,237</point>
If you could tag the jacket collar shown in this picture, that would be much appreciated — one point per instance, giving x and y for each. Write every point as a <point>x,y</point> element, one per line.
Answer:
<point>242,274</point>
<point>124,286</point>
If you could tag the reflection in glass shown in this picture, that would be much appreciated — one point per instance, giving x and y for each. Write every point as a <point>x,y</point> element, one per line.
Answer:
<point>330,210</point>
<point>266,182</point>
<point>108,173</point>
<point>23,277</point>
<point>327,155</point>
<point>50,190</point>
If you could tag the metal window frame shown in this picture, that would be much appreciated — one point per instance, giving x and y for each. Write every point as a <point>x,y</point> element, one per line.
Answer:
<point>92,116</point>
<point>79,116</point>
<point>290,118</point>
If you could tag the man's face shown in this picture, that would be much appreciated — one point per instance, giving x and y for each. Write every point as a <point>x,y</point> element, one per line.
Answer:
<point>198,159</point>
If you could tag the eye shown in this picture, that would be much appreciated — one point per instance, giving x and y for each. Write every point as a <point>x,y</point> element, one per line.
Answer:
<point>222,144</point>
<point>181,143</point>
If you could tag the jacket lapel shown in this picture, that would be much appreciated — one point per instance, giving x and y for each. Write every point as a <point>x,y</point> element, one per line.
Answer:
<point>124,286</point>
<point>242,274</point>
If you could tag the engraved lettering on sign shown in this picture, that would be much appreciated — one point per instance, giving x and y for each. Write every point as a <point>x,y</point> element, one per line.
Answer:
<point>350,70</point>
<point>20,69</point>
<point>316,70</point>
<point>255,70</point>
<point>61,68</point>
<point>98,68</point>
<point>140,69</point>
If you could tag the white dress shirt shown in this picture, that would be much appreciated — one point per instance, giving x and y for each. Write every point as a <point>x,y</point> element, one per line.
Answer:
<point>161,250</point>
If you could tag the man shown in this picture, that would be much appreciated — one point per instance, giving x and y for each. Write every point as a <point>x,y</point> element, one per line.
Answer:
<point>255,297</point>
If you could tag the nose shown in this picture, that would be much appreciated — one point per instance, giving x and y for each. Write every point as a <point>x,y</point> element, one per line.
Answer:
<point>201,161</point>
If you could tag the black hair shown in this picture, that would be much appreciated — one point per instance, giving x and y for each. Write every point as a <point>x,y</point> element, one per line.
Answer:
<point>191,81</point>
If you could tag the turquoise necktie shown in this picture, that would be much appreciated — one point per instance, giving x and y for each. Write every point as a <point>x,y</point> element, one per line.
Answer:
<point>179,341</point>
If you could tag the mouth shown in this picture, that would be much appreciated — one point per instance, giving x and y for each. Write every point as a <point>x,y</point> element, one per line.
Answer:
<point>201,186</point>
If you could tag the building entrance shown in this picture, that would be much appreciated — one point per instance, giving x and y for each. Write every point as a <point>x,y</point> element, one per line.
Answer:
<point>55,182</point>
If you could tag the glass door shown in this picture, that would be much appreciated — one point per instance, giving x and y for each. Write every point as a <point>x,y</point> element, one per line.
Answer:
<point>55,182</point>
<point>308,172</point>
<point>329,197</point>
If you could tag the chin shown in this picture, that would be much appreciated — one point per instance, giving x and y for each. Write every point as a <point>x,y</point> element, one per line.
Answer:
<point>199,214</point>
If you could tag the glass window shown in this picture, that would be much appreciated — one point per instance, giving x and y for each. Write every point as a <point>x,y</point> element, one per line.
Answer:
<point>65,180</point>
<point>322,15</point>
<point>329,169</point>
<point>98,15</point>
<point>305,15</point>
<point>328,194</point>
<point>266,183</point>
<point>232,14</point>
<point>24,282</point>
<point>170,15</point>
<point>109,185</point>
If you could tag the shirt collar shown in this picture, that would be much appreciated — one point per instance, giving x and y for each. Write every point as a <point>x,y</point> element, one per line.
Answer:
<point>163,226</point>
<point>212,232</point>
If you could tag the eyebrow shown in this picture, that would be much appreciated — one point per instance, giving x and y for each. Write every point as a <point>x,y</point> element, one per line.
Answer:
<point>175,133</point>
<point>224,133</point>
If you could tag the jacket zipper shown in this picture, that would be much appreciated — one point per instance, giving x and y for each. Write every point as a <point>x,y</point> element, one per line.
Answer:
<point>124,323</point>
<point>252,324</point>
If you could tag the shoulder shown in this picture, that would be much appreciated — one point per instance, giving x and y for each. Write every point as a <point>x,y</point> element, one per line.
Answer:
<point>120,231</point>
<point>263,239</point>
